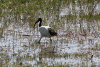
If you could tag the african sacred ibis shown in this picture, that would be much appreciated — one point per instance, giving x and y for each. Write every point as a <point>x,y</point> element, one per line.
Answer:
<point>45,31</point>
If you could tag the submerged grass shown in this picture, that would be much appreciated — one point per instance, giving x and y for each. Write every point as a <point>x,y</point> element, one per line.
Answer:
<point>91,17</point>
<point>32,9</point>
<point>1,32</point>
<point>35,8</point>
<point>47,9</point>
<point>60,65</point>
<point>75,55</point>
<point>96,47</point>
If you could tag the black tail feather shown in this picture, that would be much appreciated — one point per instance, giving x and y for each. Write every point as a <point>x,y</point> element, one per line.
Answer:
<point>52,32</point>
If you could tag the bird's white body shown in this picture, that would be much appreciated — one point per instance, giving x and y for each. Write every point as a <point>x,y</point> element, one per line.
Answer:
<point>44,31</point>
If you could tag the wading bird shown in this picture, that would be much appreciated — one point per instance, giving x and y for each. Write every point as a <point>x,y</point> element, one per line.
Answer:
<point>45,31</point>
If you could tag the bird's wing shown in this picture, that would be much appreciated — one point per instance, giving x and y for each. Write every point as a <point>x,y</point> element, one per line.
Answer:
<point>52,32</point>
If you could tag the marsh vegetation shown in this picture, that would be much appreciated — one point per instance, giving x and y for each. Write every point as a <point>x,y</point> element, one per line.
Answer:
<point>76,22</point>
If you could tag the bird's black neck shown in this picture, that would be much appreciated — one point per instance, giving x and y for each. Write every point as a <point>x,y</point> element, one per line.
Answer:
<point>39,20</point>
<point>40,24</point>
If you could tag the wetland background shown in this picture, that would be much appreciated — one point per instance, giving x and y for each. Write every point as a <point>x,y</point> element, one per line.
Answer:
<point>77,23</point>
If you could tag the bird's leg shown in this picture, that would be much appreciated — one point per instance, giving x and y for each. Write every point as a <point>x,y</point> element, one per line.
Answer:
<point>50,39</point>
<point>57,38</point>
<point>39,39</point>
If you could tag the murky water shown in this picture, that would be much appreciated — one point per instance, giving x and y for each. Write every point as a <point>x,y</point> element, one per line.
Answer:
<point>16,43</point>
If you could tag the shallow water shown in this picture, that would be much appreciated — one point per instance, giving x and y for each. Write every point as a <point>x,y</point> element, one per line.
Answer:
<point>16,43</point>
<point>14,39</point>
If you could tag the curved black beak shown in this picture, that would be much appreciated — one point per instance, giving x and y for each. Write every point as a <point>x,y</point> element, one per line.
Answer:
<point>37,22</point>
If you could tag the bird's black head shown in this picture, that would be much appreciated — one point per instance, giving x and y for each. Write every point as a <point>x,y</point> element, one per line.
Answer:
<point>40,19</point>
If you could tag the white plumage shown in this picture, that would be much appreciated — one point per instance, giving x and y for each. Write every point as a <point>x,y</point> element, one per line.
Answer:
<point>45,31</point>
